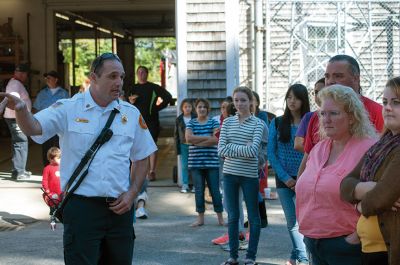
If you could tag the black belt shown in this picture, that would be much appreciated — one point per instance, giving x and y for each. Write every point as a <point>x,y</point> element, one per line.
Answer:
<point>106,200</point>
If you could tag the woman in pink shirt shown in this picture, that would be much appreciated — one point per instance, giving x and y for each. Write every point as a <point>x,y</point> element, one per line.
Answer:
<point>328,223</point>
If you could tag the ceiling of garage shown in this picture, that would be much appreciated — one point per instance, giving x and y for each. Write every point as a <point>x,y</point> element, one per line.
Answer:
<point>138,21</point>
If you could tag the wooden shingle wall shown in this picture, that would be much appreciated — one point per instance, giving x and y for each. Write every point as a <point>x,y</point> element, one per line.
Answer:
<point>206,51</point>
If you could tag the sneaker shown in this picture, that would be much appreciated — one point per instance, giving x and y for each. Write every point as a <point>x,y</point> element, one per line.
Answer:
<point>243,245</point>
<point>222,240</point>
<point>141,213</point>
<point>23,177</point>
<point>185,188</point>
<point>193,190</point>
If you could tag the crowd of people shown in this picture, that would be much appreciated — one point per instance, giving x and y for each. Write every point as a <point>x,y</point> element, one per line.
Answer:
<point>334,208</point>
<point>335,168</point>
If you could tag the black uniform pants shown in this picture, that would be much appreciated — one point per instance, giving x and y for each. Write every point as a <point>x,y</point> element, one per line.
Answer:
<point>93,234</point>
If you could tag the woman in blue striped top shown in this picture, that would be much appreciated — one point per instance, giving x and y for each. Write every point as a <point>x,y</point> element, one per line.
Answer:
<point>203,159</point>
<point>239,144</point>
<point>285,161</point>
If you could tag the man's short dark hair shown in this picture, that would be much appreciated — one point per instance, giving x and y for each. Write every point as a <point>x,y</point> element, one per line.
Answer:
<point>144,68</point>
<point>354,67</point>
<point>97,64</point>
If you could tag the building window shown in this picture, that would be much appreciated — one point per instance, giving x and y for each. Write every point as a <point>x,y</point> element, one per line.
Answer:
<point>322,39</point>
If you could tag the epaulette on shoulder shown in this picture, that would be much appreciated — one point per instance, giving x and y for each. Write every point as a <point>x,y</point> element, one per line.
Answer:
<point>125,104</point>
<point>128,105</point>
<point>76,97</point>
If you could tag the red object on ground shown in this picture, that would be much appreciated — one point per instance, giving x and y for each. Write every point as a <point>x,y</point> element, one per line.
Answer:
<point>264,180</point>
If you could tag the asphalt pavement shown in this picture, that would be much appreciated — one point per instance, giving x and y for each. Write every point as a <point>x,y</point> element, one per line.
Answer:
<point>164,238</point>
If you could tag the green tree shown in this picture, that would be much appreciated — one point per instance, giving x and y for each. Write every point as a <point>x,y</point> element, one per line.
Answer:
<point>84,55</point>
<point>149,52</point>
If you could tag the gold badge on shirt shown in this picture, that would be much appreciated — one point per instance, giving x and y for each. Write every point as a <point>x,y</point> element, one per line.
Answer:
<point>124,119</point>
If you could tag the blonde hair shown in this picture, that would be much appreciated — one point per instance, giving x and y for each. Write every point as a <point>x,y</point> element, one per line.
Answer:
<point>394,85</point>
<point>53,152</point>
<point>352,105</point>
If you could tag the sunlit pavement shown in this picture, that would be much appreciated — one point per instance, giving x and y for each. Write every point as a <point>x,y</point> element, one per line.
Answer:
<point>164,238</point>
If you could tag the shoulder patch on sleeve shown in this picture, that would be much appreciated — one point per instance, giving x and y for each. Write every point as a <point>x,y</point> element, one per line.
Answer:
<point>142,123</point>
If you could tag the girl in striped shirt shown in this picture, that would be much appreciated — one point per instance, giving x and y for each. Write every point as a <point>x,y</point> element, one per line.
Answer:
<point>239,144</point>
<point>203,159</point>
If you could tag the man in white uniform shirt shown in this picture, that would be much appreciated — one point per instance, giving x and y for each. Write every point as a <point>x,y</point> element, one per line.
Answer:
<point>19,140</point>
<point>98,218</point>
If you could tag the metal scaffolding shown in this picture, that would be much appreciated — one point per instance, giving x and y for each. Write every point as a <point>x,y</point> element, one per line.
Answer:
<point>301,36</point>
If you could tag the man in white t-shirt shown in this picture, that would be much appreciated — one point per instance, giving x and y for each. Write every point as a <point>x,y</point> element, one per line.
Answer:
<point>18,139</point>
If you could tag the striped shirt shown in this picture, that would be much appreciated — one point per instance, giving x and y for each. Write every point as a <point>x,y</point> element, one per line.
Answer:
<point>239,144</point>
<point>203,156</point>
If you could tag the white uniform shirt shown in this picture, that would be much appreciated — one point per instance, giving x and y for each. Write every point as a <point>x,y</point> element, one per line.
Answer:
<point>16,88</point>
<point>78,121</point>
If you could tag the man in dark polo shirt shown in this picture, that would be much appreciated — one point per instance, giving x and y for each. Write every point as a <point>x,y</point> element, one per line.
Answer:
<point>144,95</point>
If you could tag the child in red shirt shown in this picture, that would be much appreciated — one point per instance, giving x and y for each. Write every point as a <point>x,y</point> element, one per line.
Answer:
<point>51,179</point>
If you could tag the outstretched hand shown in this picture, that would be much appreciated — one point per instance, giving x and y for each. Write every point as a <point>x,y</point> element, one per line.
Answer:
<point>10,101</point>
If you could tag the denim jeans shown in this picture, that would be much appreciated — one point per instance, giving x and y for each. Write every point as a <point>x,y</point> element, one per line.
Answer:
<point>241,213</point>
<point>19,148</point>
<point>333,251</point>
<point>249,186</point>
<point>184,163</point>
<point>287,198</point>
<point>200,176</point>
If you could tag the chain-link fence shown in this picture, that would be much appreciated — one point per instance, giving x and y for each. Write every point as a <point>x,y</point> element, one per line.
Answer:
<point>301,36</point>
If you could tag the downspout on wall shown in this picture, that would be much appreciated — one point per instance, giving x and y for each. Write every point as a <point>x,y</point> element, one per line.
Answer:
<point>232,46</point>
<point>258,54</point>
<point>181,48</point>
